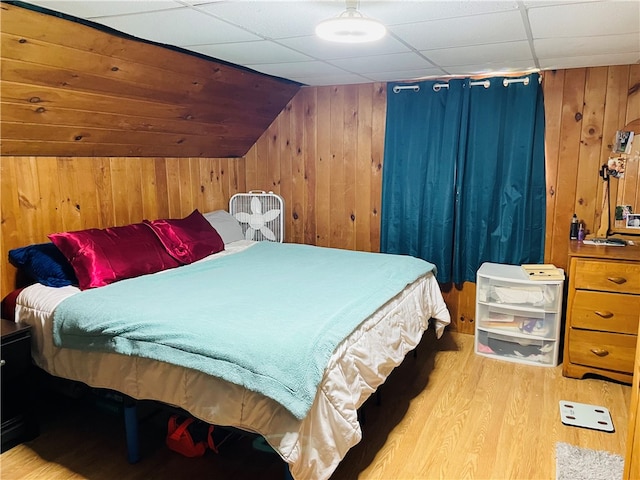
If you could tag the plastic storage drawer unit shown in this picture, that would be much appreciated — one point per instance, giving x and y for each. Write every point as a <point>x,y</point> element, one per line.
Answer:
<point>517,319</point>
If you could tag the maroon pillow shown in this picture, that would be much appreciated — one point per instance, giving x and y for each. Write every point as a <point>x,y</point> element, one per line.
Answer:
<point>9,305</point>
<point>100,257</point>
<point>188,239</point>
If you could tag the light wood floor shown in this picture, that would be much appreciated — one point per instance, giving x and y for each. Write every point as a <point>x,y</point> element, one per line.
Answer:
<point>447,414</point>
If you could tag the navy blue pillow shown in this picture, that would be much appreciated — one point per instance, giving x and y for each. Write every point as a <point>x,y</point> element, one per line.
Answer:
<point>45,264</point>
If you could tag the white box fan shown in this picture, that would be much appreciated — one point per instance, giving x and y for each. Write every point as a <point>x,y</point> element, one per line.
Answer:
<point>261,215</point>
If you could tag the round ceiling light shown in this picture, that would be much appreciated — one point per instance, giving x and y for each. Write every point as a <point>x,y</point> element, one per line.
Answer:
<point>351,26</point>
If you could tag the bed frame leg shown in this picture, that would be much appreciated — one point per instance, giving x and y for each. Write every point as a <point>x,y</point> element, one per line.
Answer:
<point>131,430</point>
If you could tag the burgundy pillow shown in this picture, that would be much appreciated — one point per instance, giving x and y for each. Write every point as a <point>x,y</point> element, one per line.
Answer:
<point>188,239</point>
<point>100,257</point>
<point>9,305</point>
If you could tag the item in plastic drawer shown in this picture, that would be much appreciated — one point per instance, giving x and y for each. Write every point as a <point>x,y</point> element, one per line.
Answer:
<point>532,295</point>
<point>482,295</point>
<point>528,325</point>
<point>491,324</point>
<point>482,348</point>
<point>503,347</point>
<point>521,349</point>
<point>527,295</point>
<point>534,326</point>
<point>501,317</point>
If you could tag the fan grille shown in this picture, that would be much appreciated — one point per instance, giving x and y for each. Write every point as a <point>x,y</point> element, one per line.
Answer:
<point>260,214</point>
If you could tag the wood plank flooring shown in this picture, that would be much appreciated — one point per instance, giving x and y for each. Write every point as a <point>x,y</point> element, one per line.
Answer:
<point>445,414</point>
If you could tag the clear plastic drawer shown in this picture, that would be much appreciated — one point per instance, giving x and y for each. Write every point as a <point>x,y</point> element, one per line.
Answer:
<point>527,323</point>
<point>532,296</point>
<point>518,349</point>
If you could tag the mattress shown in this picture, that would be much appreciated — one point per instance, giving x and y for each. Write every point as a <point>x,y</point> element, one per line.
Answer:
<point>312,446</point>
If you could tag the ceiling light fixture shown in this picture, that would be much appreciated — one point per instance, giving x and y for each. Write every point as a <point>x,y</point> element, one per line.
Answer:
<point>351,26</point>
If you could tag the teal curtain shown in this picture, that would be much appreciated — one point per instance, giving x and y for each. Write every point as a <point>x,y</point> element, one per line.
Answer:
<point>421,150</point>
<point>463,179</point>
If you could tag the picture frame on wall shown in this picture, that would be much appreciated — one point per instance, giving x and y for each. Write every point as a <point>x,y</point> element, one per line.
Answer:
<point>633,220</point>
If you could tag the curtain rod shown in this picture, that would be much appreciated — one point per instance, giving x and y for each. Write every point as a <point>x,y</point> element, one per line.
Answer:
<point>487,83</point>
<point>398,88</point>
<point>483,83</point>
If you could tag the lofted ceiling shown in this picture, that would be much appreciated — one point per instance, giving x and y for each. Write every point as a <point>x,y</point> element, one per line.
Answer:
<point>426,39</point>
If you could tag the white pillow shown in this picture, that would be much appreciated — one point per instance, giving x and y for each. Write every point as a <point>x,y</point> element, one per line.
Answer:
<point>227,226</point>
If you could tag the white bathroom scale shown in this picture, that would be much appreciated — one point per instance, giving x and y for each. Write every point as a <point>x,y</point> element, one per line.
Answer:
<point>587,416</point>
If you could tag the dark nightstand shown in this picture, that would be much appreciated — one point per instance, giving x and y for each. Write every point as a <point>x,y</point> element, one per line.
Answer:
<point>18,421</point>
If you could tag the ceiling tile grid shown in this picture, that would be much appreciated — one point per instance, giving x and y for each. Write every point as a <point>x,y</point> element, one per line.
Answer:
<point>426,39</point>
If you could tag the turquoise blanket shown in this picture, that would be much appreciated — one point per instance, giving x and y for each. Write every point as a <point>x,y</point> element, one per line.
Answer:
<point>267,318</point>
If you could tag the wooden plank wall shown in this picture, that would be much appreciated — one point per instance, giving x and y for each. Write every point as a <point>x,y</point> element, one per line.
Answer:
<point>70,89</point>
<point>583,108</point>
<point>323,153</point>
<point>42,195</point>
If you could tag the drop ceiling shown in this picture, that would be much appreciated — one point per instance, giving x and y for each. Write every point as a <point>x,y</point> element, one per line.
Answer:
<point>426,39</point>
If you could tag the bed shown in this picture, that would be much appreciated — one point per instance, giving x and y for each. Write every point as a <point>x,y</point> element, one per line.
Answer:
<point>363,320</point>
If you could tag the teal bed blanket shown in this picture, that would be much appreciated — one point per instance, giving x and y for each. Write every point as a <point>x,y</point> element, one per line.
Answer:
<point>267,318</point>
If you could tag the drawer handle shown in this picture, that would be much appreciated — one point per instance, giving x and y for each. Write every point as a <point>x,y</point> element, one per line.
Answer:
<point>2,363</point>
<point>599,352</point>
<point>603,314</point>
<point>617,280</point>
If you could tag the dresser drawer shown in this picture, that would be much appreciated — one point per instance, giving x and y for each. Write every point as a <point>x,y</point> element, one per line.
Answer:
<point>609,312</point>
<point>609,351</point>
<point>607,276</point>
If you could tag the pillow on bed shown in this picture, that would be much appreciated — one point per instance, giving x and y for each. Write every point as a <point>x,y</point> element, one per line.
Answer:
<point>227,226</point>
<point>100,257</point>
<point>44,263</point>
<point>187,239</point>
<point>8,305</point>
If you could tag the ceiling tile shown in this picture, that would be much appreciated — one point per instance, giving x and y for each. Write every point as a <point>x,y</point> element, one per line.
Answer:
<point>298,69</point>
<point>464,31</point>
<point>589,61</point>
<point>400,12</point>
<point>405,75</point>
<point>247,53</point>
<point>321,49</point>
<point>274,19</point>
<point>329,80</point>
<point>100,8</point>
<point>383,63</point>
<point>547,3</point>
<point>613,18</point>
<point>572,47</point>
<point>495,52</point>
<point>183,26</point>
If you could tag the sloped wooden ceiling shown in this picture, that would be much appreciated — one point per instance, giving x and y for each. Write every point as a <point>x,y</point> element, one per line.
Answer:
<point>68,89</point>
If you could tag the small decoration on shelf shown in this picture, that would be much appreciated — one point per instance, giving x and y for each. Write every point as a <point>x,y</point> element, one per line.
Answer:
<point>623,142</point>
<point>633,220</point>
<point>575,227</point>
<point>623,211</point>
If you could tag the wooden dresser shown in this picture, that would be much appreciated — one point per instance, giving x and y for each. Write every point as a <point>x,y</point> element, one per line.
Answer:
<point>603,301</point>
<point>632,458</point>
